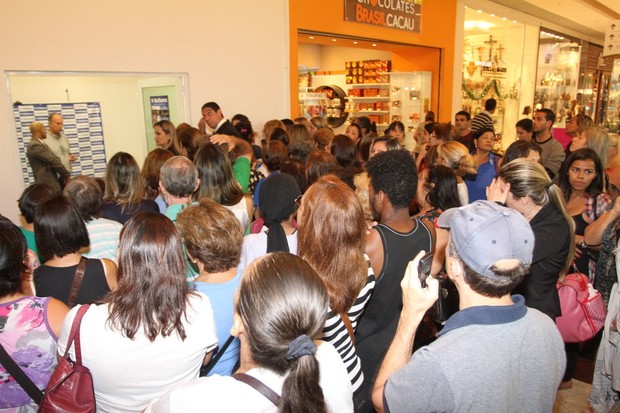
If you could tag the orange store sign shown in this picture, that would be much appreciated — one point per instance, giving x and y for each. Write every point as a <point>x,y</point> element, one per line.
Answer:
<point>397,14</point>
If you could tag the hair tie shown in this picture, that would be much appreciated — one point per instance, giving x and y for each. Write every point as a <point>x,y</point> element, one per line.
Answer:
<point>548,185</point>
<point>301,346</point>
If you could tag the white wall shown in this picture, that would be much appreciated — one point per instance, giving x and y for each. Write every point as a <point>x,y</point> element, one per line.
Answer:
<point>120,99</point>
<point>235,52</point>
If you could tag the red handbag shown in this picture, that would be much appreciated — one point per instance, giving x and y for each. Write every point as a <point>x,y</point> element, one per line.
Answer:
<point>70,388</point>
<point>583,309</point>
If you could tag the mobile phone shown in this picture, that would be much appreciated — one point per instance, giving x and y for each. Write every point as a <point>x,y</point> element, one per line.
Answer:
<point>424,268</point>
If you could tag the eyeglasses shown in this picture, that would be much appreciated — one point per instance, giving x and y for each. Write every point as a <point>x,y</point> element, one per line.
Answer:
<point>298,201</point>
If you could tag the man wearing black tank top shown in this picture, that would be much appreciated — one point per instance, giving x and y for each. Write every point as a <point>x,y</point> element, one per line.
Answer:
<point>390,246</point>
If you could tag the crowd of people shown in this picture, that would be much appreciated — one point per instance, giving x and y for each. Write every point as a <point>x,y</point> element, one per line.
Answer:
<point>285,270</point>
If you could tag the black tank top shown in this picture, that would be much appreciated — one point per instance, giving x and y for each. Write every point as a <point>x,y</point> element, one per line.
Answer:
<point>377,326</point>
<point>580,228</point>
<point>56,282</point>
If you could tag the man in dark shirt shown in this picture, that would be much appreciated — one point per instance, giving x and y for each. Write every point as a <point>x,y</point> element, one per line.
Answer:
<point>464,133</point>
<point>390,246</point>
<point>212,116</point>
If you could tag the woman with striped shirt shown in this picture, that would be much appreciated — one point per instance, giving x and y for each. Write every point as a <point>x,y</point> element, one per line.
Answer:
<point>331,238</point>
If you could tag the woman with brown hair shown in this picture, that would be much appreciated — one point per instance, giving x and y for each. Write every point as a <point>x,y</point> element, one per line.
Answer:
<point>278,316</point>
<point>218,183</point>
<point>212,236</point>
<point>319,163</point>
<point>150,174</point>
<point>152,332</point>
<point>124,190</point>
<point>189,141</point>
<point>330,210</point>
<point>30,326</point>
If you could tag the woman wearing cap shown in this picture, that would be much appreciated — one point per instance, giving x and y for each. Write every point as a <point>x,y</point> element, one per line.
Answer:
<point>279,316</point>
<point>525,187</point>
<point>277,204</point>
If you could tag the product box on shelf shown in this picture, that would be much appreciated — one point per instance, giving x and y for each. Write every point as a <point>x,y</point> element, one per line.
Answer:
<point>368,71</point>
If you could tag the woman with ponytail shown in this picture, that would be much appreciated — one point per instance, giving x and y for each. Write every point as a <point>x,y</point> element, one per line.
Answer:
<point>524,186</point>
<point>279,316</point>
<point>278,208</point>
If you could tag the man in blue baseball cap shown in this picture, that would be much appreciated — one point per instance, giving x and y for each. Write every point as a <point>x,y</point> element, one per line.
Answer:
<point>495,354</point>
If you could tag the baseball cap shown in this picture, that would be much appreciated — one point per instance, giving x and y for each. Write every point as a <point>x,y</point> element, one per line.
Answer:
<point>484,232</point>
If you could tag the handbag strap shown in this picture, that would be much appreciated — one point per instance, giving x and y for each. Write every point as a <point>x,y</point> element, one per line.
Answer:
<point>74,335</point>
<point>347,323</point>
<point>20,377</point>
<point>77,282</point>
<point>259,386</point>
<point>207,369</point>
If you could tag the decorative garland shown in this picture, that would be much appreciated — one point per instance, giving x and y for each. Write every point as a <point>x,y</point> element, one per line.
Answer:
<point>491,83</point>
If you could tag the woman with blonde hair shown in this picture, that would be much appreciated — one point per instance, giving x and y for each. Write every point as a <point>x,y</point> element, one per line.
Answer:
<point>268,128</point>
<point>166,137</point>
<point>455,156</point>
<point>330,210</point>
<point>319,122</point>
<point>124,190</point>
<point>524,186</point>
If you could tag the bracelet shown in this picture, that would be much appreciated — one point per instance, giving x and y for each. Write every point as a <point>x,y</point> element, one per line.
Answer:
<point>584,245</point>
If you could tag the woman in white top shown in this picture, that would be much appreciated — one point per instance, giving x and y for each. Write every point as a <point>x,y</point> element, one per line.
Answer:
<point>277,205</point>
<point>279,315</point>
<point>151,332</point>
<point>456,156</point>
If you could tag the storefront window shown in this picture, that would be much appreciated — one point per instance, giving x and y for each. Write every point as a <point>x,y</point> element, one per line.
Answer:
<point>612,121</point>
<point>492,67</point>
<point>558,75</point>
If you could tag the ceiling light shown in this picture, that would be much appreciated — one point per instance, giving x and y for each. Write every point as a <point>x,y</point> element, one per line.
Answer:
<point>333,40</point>
<point>354,42</point>
<point>478,24</point>
<point>374,44</point>
<point>311,37</point>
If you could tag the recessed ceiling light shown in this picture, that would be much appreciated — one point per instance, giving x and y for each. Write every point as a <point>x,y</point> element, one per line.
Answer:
<point>514,21</point>
<point>311,37</point>
<point>492,15</point>
<point>479,11</point>
<point>333,40</point>
<point>503,18</point>
<point>354,42</point>
<point>374,44</point>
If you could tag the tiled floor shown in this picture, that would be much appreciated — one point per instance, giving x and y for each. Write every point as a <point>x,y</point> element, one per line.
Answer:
<point>572,400</point>
<point>575,399</point>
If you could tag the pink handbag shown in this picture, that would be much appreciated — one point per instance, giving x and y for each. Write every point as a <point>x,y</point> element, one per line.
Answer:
<point>583,309</point>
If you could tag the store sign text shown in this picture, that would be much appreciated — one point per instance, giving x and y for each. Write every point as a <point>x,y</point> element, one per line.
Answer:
<point>397,14</point>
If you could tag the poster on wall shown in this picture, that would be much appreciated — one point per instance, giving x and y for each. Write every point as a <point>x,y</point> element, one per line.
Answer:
<point>612,39</point>
<point>396,14</point>
<point>160,108</point>
<point>82,126</point>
